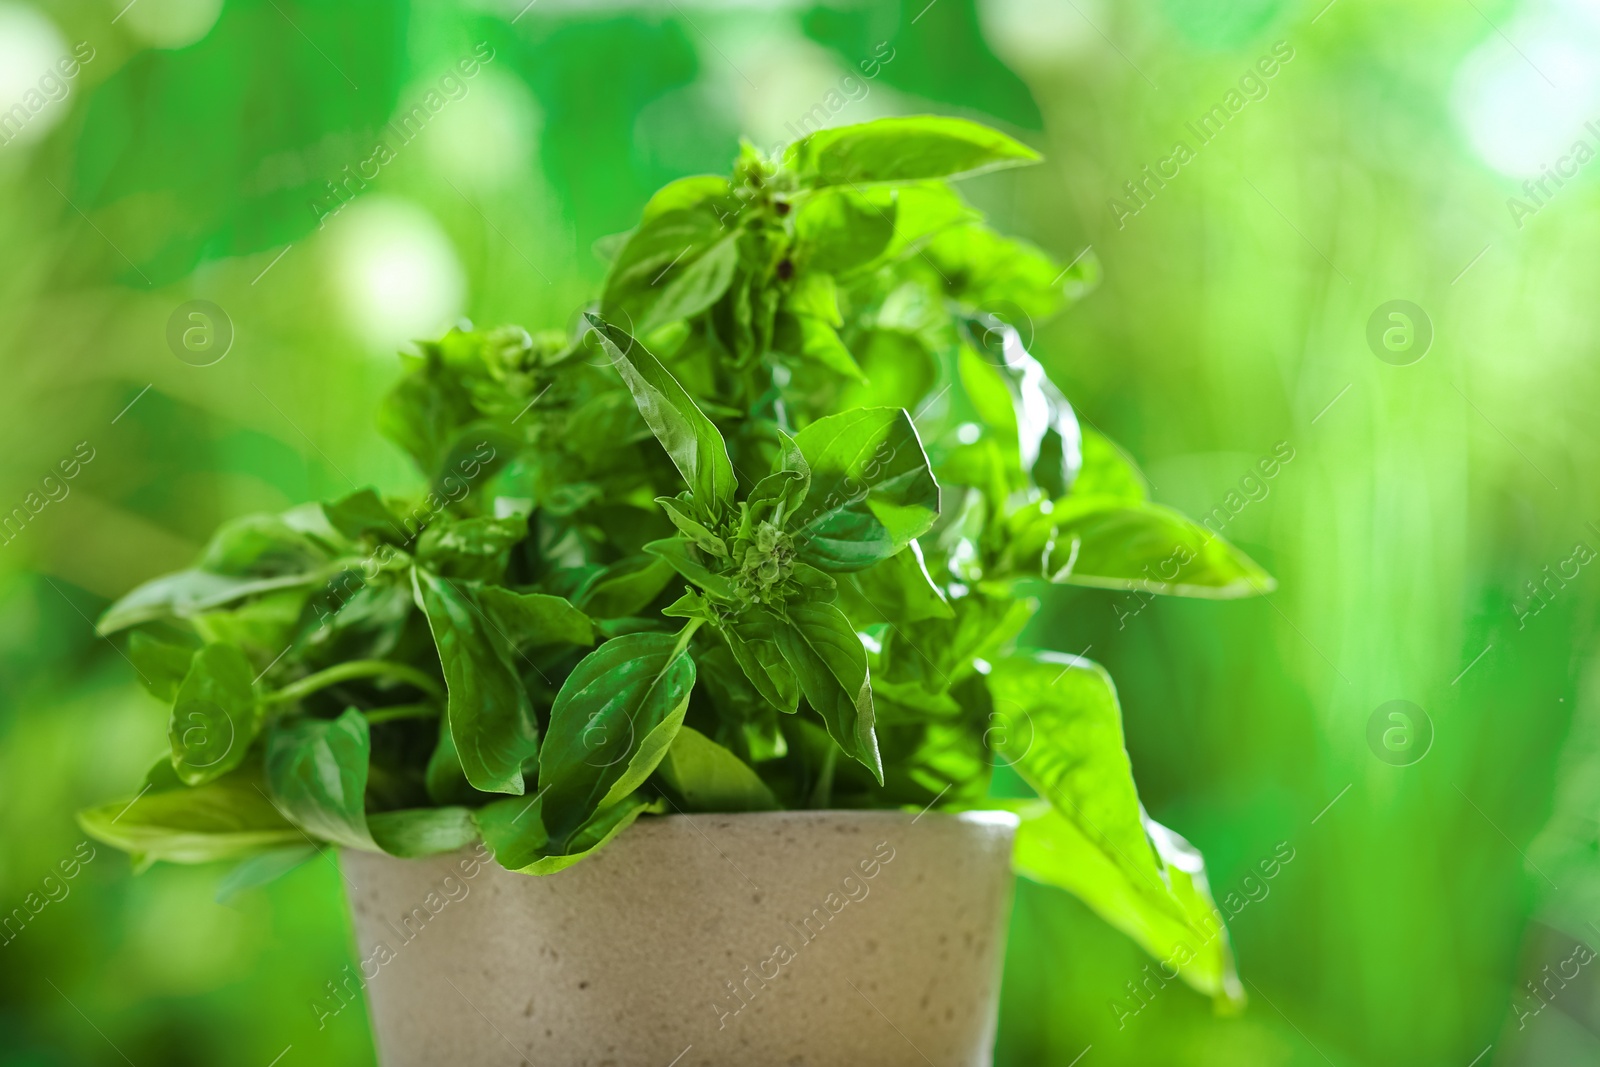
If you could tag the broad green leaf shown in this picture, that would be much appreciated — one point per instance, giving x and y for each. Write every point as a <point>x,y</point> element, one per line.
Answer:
<point>680,512</point>
<point>902,149</point>
<point>626,587</point>
<point>710,778</point>
<point>1062,732</point>
<point>261,546</point>
<point>417,832</point>
<point>364,514</point>
<point>828,659</point>
<point>536,619</point>
<point>1148,547</point>
<point>1108,472</point>
<point>814,293</point>
<point>982,269</point>
<point>687,560</point>
<point>753,641</point>
<point>839,229</point>
<point>491,719</point>
<point>689,437</point>
<point>262,626</point>
<point>443,777</point>
<point>515,832</point>
<point>899,589</point>
<point>871,488</point>
<point>678,262</point>
<point>317,774</point>
<point>161,666</point>
<point>473,549</point>
<point>226,818</point>
<point>215,715</point>
<point>184,594</point>
<point>808,337</point>
<point>610,725</point>
<point>901,373</point>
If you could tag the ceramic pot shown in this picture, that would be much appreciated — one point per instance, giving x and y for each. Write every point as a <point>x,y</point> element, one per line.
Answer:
<point>801,938</point>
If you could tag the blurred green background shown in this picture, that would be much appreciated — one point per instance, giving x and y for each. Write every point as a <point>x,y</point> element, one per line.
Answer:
<point>1431,533</point>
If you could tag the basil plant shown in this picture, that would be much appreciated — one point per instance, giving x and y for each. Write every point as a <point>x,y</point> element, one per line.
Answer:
<point>760,534</point>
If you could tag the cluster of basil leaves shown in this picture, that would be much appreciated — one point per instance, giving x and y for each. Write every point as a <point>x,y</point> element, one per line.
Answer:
<point>761,535</point>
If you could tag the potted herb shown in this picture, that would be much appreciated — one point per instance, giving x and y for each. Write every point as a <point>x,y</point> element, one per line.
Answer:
<point>735,577</point>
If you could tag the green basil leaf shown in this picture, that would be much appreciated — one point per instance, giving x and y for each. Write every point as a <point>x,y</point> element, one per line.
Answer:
<point>443,777</point>
<point>534,620</point>
<point>473,549</point>
<point>900,370</point>
<point>754,643</point>
<point>491,719</point>
<point>839,229</point>
<point>808,337</point>
<point>691,439</point>
<point>1062,732</point>
<point>980,268</point>
<point>902,149</point>
<point>317,773</point>
<point>417,832</point>
<point>227,818</point>
<point>814,293</point>
<point>261,546</point>
<point>685,558</point>
<point>161,666</point>
<point>710,778</point>
<point>898,589</point>
<point>626,587</point>
<point>1108,472</point>
<point>871,488</point>
<point>363,514</point>
<point>1151,548</point>
<point>678,262</point>
<point>185,594</point>
<point>610,725</point>
<point>827,657</point>
<point>515,832</point>
<point>215,715</point>
<point>692,528</point>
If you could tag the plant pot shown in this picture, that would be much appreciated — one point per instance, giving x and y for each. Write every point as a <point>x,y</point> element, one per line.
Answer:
<point>802,938</point>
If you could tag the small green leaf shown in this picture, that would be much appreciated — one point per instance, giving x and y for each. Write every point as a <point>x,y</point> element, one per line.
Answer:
<point>626,587</point>
<point>871,488</point>
<point>491,719</point>
<point>814,293</point>
<point>1059,725</point>
<point>680,259</point>
<point>685,558</point>
<point>227,818</point>
<point>473,549</point>
<point>161,666</point>
<point>691,439</point>
<point>902,149</point>
<point>828,659</point>
<point>417,832</point>
<point>610,725</point>
<point>1151,548</point>
<point>1108,473</point>
<point>839,229</point>
<point>515,832</point>
<point>899,589</point>
<point>185,594</point>
<point>534,620</point>
<point>753,641</point>
<point>808,337</point>
<point>215,715</point>
<point>710,778</point>
<point>317,773</point>
<point>363,514</point>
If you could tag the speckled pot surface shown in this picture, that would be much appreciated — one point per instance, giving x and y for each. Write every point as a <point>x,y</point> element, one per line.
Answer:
<point>800,939</point>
